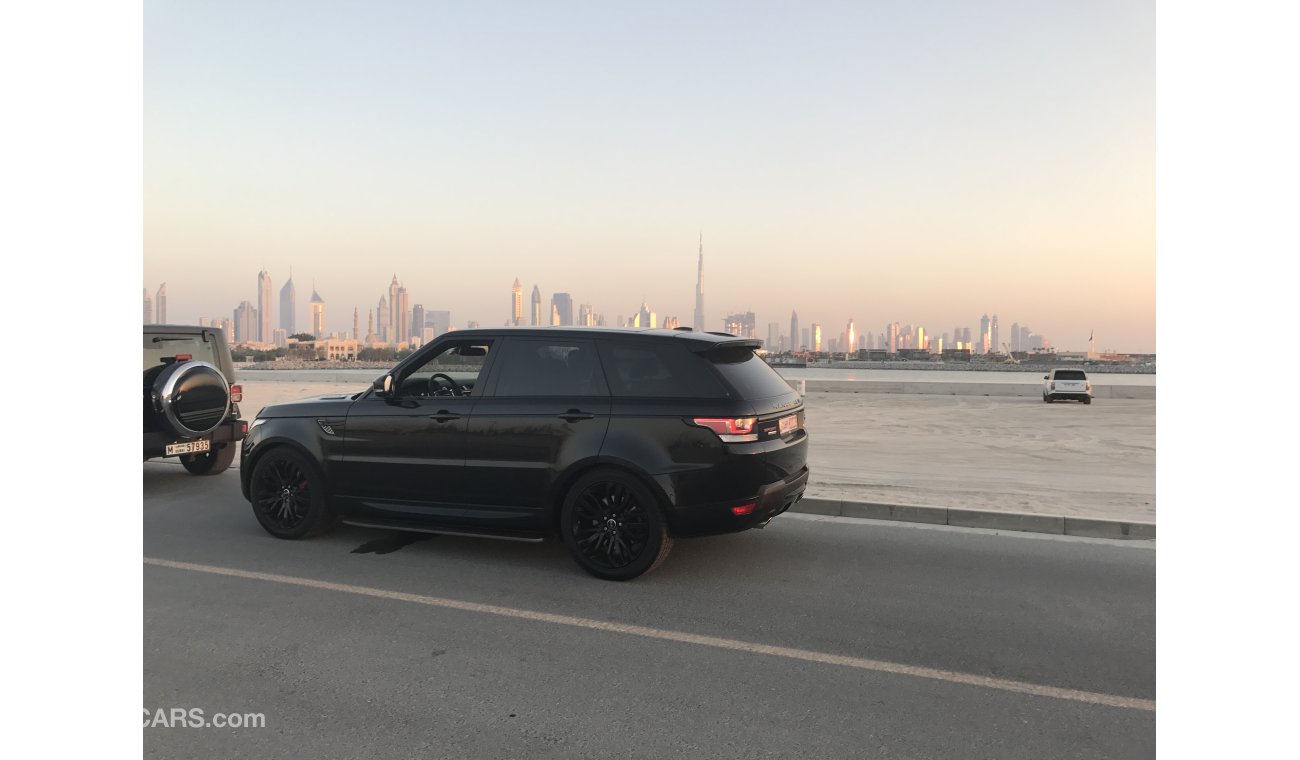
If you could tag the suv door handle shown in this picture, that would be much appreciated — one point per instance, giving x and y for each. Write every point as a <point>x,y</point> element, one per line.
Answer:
<point>573,415</point>
<point>444,416</point>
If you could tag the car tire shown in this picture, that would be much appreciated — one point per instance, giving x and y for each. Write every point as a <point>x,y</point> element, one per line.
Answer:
<point>287,491</point>
<point>213,462</point>
<point>614,525</point>
<point>1047,399</point>
<point>1087,399</point>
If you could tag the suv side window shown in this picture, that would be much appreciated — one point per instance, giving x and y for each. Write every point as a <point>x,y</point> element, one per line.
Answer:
<point>529,367</point>
<point>461,361</point>
<point>658,370</point>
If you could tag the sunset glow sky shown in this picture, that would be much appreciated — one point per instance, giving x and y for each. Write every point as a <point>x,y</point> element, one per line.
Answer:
<point>919,162</point>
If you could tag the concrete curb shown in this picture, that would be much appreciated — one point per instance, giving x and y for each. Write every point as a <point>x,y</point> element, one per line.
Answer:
<point>978,518</point>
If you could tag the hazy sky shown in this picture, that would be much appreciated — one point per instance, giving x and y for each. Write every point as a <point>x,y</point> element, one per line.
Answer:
<point>922,162</point>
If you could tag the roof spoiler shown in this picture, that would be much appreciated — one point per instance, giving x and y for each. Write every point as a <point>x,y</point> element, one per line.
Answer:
<point>750,343</point>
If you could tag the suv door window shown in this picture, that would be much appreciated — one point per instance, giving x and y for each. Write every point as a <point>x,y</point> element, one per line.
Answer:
<point>461,361</point>
<point>550,368</point>
<point>748,374</point>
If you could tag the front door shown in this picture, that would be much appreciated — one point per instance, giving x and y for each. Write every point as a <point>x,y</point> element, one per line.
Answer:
<point>404,455</point>
<point>547,409</point>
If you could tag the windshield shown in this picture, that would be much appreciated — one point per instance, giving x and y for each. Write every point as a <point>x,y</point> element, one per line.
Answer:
<point>158,346</point>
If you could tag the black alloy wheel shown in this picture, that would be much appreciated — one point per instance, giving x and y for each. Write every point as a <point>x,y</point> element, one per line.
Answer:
<point>613,526</point>
<point>288,496</point>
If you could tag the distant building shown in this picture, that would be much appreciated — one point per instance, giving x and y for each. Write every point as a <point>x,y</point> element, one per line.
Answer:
<point>418,321</point>
<point>699,290</point>
<point>794,330</point>
<point>438,321</point>
<point>148,307</point>
<point>472,324</point>
<point>672,323</point>
<point>994,345</point>
<point>403,315</point>
<point>563,303</point>
<point>160,304</point>
<point>645,317</point>
<point>742,325</point>
<point>982,345</point>
<point>317,314</point>
<point>536,307</point>
<point>280,337</point>
<point>805,339</point>
<point>585,316</point>
<point>264,323</point>
<point>384,328</point>
<point>773,342</point>
<point>393,313</point>
<point>815,339</point>
<point>516,304</point>
<point>245,323</point>
<point>289,306</point>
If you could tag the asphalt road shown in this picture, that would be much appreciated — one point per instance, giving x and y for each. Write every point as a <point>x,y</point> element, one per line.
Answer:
<point>811,638</point>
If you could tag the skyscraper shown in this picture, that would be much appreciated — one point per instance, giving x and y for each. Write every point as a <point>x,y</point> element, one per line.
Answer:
<point>1015,336</point>
<point>645,317</point>
<point>585,316</point>
<point>160,303</point>
<point>393,313</point>
<point>851,336</point>
<point>416,327</point>
<point>384,327</point>
<point>356,324</point>
<point>742,325</point>
<point>438,322</point>
<point>289,306</point>
<point>794,331</point>
<point>773,337</point>
<point>245,323</point>
<point>537,306</point>
<point>699,290</point>
<point>805,339</point>
<point>982,346</point>
<point>148,307</point>
<point>892,346</point>
<point>993,336</point>
<point>403,316</point>
<point>317,314</point>
<point>555,313</point>
<point>920,338</point>
<point>815,340</point>
<point>516,304</point>
<point>564,305</point>
<point>264,324</point>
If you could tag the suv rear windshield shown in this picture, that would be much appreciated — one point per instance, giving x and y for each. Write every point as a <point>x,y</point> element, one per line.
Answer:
<point>157,346</point>
<point>1070,374</point>
<point>747,373</point>
<point>657,370</point>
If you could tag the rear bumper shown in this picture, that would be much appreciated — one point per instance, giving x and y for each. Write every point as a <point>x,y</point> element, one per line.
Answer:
<point>712,519</point>
<point>230,431</point>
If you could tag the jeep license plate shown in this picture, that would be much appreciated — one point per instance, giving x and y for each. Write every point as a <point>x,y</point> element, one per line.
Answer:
<point>189,447</point>
<point>788,424</point>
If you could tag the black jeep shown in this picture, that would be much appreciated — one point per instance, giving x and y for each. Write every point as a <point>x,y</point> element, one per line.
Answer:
<point>190,402</point>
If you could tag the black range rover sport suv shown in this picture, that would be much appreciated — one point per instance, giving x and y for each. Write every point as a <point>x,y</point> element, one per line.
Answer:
<point>617,440</point>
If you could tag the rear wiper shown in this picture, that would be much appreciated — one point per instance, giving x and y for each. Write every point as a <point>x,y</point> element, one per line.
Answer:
<point>161,338</point>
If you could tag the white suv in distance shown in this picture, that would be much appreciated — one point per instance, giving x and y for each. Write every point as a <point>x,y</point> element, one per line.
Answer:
<point>1067,383</point>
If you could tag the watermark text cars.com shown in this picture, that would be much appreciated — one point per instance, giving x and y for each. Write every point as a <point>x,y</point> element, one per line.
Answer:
<point>195,717</point>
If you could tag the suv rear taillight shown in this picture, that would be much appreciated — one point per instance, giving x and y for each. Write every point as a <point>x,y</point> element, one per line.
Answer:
<point>237,393</point>
<point>731,429</point>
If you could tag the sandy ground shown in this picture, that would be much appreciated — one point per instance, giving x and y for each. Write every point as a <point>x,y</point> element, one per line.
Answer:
<point>1013,454</point>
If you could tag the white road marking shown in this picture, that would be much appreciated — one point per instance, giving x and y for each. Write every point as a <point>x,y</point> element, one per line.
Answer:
<point>860,663</point>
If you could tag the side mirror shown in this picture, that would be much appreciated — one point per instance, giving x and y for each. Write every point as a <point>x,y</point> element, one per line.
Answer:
<point>383,386</point>
<point>1044,377</point>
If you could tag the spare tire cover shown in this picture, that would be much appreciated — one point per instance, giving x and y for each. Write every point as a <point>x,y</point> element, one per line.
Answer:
<point>192,396</point>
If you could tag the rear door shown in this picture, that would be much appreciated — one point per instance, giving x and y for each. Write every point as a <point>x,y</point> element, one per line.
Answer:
<point>546,408</point>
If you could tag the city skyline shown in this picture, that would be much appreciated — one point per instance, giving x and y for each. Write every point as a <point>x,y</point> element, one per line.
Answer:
<point>911,172</point>
<point>400,322</point>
